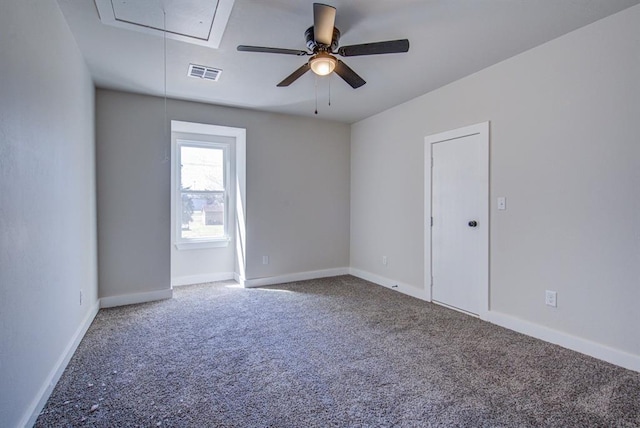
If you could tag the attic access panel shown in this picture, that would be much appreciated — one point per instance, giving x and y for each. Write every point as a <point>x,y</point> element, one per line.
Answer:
<point>200,22</point>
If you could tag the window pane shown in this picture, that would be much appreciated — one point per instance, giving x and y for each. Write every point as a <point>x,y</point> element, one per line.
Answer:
<point>202,215</point>
<point>202,168</point>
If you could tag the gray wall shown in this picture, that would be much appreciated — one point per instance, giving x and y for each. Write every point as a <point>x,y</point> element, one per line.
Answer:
<point>564,151</point>
<point>47,201</point>
<point>133,173</point>
<point>297,190</point>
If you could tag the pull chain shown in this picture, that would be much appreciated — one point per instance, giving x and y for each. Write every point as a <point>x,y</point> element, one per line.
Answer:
<point>316,94</point>
<point>329,79</point>
<point>164,42</point>
<point>164,59</point>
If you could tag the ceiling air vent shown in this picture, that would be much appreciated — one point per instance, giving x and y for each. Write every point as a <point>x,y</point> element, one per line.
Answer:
<point>202,72</point>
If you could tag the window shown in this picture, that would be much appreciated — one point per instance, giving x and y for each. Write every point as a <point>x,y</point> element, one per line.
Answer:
<point>228,189</point>
<point>202,211</point>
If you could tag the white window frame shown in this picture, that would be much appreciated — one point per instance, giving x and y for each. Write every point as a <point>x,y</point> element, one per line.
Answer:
<point>197,243</point>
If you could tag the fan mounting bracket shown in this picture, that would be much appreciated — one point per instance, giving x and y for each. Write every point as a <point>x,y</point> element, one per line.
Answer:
<point>316,47</point>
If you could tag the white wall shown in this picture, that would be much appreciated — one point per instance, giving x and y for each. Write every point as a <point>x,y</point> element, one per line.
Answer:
<point>564,151</point>
<point>297,190</point>
<point>47,203</point>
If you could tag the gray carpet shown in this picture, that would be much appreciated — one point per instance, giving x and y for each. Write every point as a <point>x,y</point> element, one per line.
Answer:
<point>336,352</point>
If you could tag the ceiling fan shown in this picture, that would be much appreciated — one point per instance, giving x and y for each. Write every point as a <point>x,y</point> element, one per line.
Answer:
<point>322,43</point>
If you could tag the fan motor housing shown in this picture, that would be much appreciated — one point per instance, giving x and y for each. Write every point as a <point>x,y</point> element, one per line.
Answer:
<point>314,47</point>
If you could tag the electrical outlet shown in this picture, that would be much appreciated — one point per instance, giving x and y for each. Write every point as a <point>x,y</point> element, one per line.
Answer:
<point>550,298</point>
<point>265,260</point>
<point>384,260</point>
<point>502,203</point>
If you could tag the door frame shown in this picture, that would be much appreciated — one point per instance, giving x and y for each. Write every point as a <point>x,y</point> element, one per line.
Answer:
<point>482,130</point>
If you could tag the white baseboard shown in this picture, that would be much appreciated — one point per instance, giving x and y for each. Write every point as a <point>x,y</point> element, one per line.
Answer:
<point>201,279</point>
<point>403,288</point>
<point>299,276</point>
<point>584,346</point>
<point>131,299</point>
<point>38,403</point>
<point>587,347</point>
<point>239,279</point>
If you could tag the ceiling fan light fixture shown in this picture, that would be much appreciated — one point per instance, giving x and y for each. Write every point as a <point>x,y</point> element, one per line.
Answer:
<point>323,44</point>
<point>323,64</point>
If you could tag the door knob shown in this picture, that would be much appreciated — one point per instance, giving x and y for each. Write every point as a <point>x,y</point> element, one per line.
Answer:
<point>473,223</point>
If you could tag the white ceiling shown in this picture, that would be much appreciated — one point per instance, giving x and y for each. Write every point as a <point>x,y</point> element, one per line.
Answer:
<point>449,39</point>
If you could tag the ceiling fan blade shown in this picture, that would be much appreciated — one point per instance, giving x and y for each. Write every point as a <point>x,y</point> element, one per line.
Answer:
<point>391,46</point>
<point>262,49</point>
<point>348,75</point>
<point>324,18</point>
<point>295,75</point>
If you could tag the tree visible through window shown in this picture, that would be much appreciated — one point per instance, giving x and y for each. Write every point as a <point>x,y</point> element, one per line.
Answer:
<point>203,191</point>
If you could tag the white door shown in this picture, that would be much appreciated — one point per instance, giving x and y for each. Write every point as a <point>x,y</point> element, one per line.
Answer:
<point>459,231</point>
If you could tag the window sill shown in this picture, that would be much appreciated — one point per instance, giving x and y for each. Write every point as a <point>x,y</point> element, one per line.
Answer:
<point>200,245</point>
